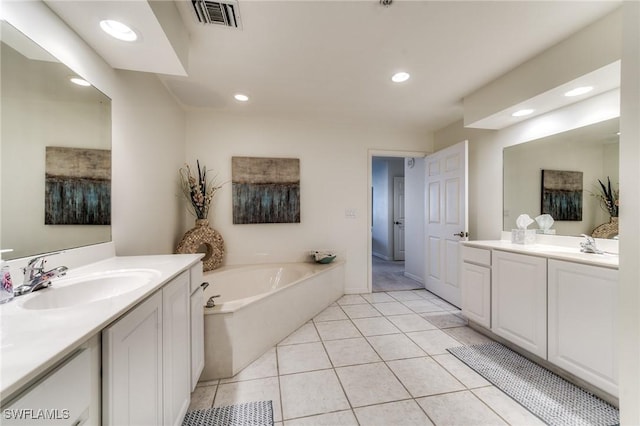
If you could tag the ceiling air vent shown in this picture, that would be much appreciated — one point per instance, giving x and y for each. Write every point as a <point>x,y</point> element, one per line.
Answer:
<point>217,12</point>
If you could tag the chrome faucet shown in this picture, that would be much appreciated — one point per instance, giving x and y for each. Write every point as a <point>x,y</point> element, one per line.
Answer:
<point>36,278</point>
<point>589,245</point>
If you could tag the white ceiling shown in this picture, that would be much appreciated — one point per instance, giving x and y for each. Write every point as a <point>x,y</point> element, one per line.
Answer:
<point>334,59</point>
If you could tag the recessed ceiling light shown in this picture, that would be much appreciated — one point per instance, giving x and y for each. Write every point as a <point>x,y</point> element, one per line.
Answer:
<point>118,30</point>
<point>399,77</point>
<point>579,91</point>
<point>79,81</point>
<point>522,112</point>
<point>240,97</point>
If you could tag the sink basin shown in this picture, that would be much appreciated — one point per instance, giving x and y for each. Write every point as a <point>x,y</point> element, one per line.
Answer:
<point>73,291</point>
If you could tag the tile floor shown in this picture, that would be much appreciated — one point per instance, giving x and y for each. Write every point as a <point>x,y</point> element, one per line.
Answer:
<point>372,359</point>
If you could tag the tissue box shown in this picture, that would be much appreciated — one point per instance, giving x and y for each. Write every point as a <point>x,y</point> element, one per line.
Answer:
<point>523,236</point>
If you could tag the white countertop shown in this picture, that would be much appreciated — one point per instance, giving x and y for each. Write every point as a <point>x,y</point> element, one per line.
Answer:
<point>572,254</point>
<point>32,341</point>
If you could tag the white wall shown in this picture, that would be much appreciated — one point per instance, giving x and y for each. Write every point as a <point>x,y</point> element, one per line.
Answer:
<point>334,177</point>
<point>147,135</point>
<point>629,336</point>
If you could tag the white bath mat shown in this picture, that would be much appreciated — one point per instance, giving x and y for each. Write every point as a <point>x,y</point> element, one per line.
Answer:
<point>547,395</point>
<point>259,413</point>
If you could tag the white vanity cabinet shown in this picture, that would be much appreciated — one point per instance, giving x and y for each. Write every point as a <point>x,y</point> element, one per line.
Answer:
<point>69,395</point>
<point>583,326</point>
<point>197,324</point>
<point>146,360</point>
<point>519,300</point>
<point>476,285</point>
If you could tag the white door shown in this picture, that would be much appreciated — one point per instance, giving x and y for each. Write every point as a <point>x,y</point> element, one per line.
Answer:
<point>398,218</point>
<point>446,219</point>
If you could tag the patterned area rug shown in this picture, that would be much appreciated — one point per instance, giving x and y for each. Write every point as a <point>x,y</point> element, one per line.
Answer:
<point>547,395</point>
<point>259,413</point>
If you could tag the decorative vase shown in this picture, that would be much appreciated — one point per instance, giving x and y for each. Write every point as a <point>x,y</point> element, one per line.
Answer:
<point>607,230</point>
<point>203,239</point>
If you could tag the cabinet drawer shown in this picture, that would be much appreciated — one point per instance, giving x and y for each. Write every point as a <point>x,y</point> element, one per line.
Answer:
<point>476,255</point>
<point>62,398</point>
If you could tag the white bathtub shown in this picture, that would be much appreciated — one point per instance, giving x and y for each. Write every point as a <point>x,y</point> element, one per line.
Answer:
<point>259,305</point>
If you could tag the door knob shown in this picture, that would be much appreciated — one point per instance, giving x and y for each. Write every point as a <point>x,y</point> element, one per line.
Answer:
<point>461,234</point>
<point>397,223</point>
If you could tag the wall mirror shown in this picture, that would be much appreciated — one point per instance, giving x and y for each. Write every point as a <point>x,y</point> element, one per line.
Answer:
<point>592,150</point>
<point>42,109</point>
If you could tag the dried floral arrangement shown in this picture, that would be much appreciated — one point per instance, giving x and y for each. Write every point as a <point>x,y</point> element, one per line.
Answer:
<point>199,189</point>
<point>609,198</point>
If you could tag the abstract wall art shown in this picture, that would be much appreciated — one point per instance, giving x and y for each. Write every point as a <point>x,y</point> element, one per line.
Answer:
<point>562,194</point>
<point>265,190</point>
<point>77,186</point>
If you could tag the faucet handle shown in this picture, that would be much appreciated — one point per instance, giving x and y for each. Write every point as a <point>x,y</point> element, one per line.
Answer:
<point>42,258</point>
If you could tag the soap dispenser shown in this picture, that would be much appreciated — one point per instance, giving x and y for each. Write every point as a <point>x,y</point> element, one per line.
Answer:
<point>6,285</point>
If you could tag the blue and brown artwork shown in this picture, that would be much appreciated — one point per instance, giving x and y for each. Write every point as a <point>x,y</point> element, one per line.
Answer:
<point>562,194</point>
<point>265,190</point>
<point>77,186</point>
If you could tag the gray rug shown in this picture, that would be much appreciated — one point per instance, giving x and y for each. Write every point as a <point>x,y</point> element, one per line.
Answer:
<point>259,413</point>
<point>550,397</point>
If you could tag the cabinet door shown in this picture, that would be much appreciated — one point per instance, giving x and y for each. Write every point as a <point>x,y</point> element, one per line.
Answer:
<point>132,366</point>
<point>519,300</point>
<point>176,333</point>
<point>583,326</point>
<point>476,293</point>
<point>197,336</point>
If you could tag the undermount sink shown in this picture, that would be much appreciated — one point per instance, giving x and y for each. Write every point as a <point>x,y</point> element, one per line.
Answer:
<point>73,291</point>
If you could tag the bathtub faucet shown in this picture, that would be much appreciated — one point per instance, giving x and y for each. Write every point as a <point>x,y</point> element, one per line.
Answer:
<point>211,303</point>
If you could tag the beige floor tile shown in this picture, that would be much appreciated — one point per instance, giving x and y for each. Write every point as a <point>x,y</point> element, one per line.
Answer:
<point>208,383</point>
<point>411,322</point>
<point>421,306</point>
<point>433,342</point>
<point>250,390</point>
<point>302,357</point>
<point>445,305</point>
<point>305,334</point>
<point>265,366</point>
<point>307,394</point>
<point>459,408</point>
<point>514,413</point>
<point>395,346</point>
<point>350,352</point>
<point>361,311</point>
<point>202,398</point>
<point>461,371</point>
<point>351,299</point>
<point>424,376</point>
<point>392,308</point>
<point>402,296</point>
<point>375,326</point>
<point>404,413</point>
<point>369,384</point>
<point>332,313</point>
<point>332,330</point>
<point>378,297</point>
<point>467,336</point>
<point>339,418</point>
<point>426,294</point>
<point>445,319</point>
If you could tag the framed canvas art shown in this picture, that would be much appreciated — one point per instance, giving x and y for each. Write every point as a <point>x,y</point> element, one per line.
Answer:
<point>265,190</point>
<point>562,194</point>
<point>77,186</point>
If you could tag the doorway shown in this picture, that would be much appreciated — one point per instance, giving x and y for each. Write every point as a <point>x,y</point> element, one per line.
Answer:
<point>388,204</point>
